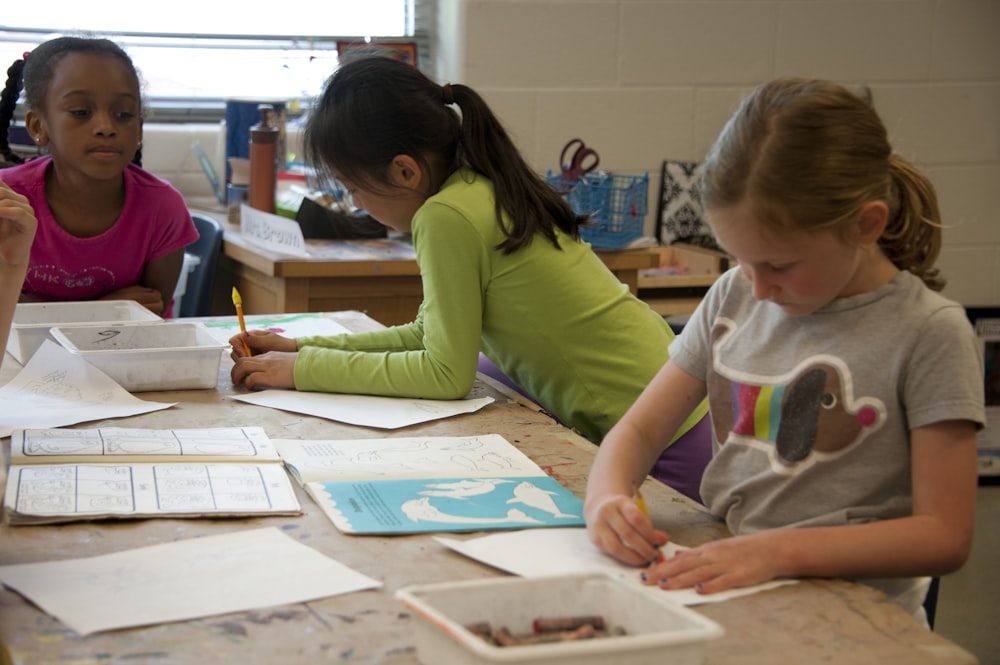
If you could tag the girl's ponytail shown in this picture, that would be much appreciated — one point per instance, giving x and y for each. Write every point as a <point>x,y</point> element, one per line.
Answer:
<point>8,100</point>
<point>912,237</point>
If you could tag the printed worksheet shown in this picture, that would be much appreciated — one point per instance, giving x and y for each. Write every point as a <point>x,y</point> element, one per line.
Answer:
<point>61,475</point>
<point>403,457</point>
<point>429,484</point>
<point>211,444</point>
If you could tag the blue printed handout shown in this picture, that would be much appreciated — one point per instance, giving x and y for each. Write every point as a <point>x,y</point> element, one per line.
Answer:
<point>429,484</point>
<point>447,504</point>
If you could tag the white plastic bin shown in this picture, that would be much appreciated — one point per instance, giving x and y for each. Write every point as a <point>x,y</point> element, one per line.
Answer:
<point>657,631</point>
<point>162,356</point>
<point>32,320</point>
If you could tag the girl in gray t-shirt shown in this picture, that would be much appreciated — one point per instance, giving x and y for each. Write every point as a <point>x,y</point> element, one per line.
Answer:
<point>844,392</point>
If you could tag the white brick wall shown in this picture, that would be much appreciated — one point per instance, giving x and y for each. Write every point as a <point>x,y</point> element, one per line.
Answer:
<point>167,153</point>
<point>646,80</point>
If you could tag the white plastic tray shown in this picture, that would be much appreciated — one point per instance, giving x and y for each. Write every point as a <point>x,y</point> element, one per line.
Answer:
<point>658,631</point>
<point>32,320</point>
<point>141,357</point>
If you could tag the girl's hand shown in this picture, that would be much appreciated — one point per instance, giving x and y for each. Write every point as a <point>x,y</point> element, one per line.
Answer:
<point>149,298</point>
<point>616,525</point>
<point>260,341</point>
<point>17,227</point>
<point>724,564</point>
<point>273,369</point>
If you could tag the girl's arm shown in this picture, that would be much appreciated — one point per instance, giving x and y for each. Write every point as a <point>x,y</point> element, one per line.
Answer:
<point>162,274</point>
<point>934,540</point>
<point>158,281</point>
<point>17,231</point>
<point>614,522</point>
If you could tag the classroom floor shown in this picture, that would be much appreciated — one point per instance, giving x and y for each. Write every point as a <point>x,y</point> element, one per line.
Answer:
<point>969,600</point>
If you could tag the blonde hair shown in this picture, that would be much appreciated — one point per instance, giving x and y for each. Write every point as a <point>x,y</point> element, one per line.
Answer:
<point>809,154</point>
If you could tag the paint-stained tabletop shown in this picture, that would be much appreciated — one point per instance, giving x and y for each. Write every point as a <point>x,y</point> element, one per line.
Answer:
<point>813,621</point>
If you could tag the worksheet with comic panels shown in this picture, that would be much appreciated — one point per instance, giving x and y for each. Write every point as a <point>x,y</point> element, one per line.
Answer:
<point>63,475</point>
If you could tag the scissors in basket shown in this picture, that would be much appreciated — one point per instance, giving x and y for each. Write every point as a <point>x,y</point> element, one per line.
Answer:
<point>582,161</point>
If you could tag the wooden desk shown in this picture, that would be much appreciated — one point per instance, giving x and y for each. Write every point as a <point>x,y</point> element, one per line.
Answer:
<point>814,621</point>
<point>384,286</point>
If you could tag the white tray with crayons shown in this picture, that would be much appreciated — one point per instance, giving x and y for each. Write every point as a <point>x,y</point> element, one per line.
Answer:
<point>583,619</point>
<point>140,357</point>
<point>32,320</point>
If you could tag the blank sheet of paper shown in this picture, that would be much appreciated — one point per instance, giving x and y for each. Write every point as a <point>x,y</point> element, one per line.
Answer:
<point>568,550</point>
<point>182,580</point>
<point>364,410</point>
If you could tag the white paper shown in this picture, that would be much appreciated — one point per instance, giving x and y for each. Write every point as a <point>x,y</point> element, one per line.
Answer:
<point>59,388</point>
<point>286,325</point>
<point>273,232</point>
<point>52,493</point>
<point>403,457</point>
<point>568,550</point>
<point>115,445</point>
<point>364,410</point>
<point>182,580</point>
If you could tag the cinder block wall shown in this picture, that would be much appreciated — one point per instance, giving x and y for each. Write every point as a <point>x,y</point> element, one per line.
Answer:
<point>641,81</point>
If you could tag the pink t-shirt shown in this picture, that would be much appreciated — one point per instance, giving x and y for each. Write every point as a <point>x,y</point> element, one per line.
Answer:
<point>153,223</point>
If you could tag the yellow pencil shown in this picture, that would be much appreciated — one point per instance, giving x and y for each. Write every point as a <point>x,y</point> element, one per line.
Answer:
<point>639,501</point>
<point>238,302</point>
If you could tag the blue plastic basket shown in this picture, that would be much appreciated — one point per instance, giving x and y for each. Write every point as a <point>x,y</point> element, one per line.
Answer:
<point>616,205</point>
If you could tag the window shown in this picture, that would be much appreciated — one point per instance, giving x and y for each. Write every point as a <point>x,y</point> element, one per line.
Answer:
<point>196,55</point>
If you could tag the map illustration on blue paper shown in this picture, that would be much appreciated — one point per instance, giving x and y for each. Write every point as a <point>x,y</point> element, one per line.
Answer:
<point>417,505</point>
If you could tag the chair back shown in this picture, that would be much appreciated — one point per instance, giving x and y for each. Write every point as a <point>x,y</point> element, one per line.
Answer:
<point>197,298</point>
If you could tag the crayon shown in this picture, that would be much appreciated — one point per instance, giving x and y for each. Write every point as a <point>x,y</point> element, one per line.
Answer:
<point>553,624</point>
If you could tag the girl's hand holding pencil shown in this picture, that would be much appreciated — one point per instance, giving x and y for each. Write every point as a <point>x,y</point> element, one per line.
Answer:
<point>270,369</point>
<point>619,524</point>
<point>253,343</point>
<point>262,359</point>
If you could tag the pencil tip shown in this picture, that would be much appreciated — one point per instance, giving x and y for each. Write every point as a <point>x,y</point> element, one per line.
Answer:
<point>237,300</point>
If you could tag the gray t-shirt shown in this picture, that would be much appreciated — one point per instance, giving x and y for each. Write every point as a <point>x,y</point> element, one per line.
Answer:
<point>811,414</point>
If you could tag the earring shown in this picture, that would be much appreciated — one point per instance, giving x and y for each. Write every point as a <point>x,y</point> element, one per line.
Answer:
<point>38,139</point>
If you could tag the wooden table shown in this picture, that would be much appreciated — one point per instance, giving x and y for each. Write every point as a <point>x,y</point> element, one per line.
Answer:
<point>383,284</point>
<point>814,621</point>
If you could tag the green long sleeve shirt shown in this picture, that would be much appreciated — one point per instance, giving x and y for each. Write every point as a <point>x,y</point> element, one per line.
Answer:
<point>556,321</point>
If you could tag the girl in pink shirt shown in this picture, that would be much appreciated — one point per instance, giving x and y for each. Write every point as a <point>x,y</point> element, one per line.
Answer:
<point>107,229</point>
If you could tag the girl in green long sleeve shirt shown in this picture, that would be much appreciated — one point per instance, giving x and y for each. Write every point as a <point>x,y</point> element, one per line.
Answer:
<point>503,268</point>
